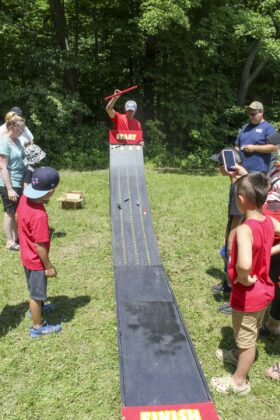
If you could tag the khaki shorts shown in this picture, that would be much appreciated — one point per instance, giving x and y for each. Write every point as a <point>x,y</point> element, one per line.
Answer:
<point>246,327</point>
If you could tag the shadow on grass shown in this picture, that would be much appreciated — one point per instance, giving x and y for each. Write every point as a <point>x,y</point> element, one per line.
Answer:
<point>11,316</point>
<point>271,344</point>
<point>227,342</point>
<point>185,171</point>
<point>216,273</point>
<point>221,297</point>
<point>66,308</point>
<point>219,275</point>
<point>57,234</point>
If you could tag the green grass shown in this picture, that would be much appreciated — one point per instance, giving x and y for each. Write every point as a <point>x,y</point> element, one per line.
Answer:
<point>75,375</point>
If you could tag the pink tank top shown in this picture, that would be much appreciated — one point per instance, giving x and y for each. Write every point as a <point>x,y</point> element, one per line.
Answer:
<point>256,297</point>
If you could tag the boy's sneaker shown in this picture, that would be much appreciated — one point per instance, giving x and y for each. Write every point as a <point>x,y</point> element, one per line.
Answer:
<point>45,329</point>
<point>221,288</point>
<point>47,307</point>
<point>225,308</point>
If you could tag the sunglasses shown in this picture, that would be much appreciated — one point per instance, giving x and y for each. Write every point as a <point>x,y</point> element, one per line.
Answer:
<point>252,114</point>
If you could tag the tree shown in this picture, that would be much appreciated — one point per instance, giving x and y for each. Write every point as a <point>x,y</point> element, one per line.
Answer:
<point>197,62</point>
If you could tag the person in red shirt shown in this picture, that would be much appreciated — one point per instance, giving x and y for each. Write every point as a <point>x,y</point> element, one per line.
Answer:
<point>34,238</point>
<point>123,121</point>
<point>252,287</point>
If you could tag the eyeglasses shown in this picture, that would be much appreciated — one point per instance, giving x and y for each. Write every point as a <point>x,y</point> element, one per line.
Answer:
<point>252,114</point>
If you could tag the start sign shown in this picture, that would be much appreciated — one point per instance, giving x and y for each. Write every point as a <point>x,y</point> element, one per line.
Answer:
<point>199,411</point>
<point>125,137</point>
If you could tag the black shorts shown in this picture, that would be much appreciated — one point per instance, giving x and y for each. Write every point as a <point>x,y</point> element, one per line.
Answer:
<point>274,274</point>
<point>36,283</point>
<point>10,206</point>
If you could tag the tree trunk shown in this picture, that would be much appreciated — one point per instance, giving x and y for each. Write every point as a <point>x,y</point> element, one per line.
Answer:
<point>70,74</point>
<point>77,24</point>
<point>148,79</point>
<point>248,76</point>
<point>61,36</point>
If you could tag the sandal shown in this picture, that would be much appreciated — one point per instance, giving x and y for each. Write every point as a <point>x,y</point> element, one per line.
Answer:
<point>225,385</point>
<point>273,372</point>
<point>227,356</point>
<point>13,247</point>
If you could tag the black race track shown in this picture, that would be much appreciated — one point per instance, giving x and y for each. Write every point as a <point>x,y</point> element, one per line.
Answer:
<point>158,363</point>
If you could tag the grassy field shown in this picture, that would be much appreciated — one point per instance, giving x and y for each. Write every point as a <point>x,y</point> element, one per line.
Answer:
<point>75,375</point>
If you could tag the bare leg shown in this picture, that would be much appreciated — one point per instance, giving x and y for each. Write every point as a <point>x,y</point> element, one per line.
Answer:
<point>35,308</point>
<point>15,229</point>
<point>8,227</point>
<point>245,360</point>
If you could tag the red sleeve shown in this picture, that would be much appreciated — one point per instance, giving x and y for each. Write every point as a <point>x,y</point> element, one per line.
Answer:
<point>40,228</point>
<point>137,124</point>
<point>115,120</point>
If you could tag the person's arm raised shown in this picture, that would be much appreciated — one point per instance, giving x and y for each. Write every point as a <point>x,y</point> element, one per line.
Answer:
<point>110,106</point>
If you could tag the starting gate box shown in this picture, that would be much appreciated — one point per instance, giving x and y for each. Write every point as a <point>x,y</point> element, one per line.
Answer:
<point>125,136</point>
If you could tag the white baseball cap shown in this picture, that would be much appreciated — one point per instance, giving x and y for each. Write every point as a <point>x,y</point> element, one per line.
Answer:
<point>130,106</point>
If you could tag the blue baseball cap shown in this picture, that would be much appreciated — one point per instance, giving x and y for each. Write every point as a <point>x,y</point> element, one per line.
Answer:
<point>43,181</point>
<point>17,110</point>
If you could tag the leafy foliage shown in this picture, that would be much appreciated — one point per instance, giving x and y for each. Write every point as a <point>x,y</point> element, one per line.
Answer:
<point>187,56</point>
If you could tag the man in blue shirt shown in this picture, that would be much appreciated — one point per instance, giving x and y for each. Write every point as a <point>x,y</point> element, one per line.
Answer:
<point>252,142</point>
<point>255,152</point>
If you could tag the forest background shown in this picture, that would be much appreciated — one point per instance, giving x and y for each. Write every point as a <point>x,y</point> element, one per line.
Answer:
<point>198,63</point>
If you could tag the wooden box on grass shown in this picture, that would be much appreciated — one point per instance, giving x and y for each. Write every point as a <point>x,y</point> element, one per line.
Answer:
<point>72,200</point>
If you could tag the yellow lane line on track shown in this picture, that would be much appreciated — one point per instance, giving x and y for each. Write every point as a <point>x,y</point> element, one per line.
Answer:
<point>130,212</point>
<point>121,219</point>
<point>140,210</point>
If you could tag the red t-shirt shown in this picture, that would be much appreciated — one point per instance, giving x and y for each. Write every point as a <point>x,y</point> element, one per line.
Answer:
<point>256,297</point>
<point>122,123</point>
<point>33,227</point>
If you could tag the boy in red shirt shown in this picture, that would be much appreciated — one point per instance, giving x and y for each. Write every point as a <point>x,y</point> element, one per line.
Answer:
<point>34,237</point>
<point>252,288</point>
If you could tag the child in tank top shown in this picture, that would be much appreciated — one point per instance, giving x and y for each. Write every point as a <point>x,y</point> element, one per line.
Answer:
<point>252,288</point>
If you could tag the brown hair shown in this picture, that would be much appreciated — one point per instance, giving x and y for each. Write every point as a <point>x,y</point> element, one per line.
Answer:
<point>12,119</point>
<point>254,186</point>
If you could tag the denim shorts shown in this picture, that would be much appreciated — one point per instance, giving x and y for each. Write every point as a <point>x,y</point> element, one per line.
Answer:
<point>36,283</point>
